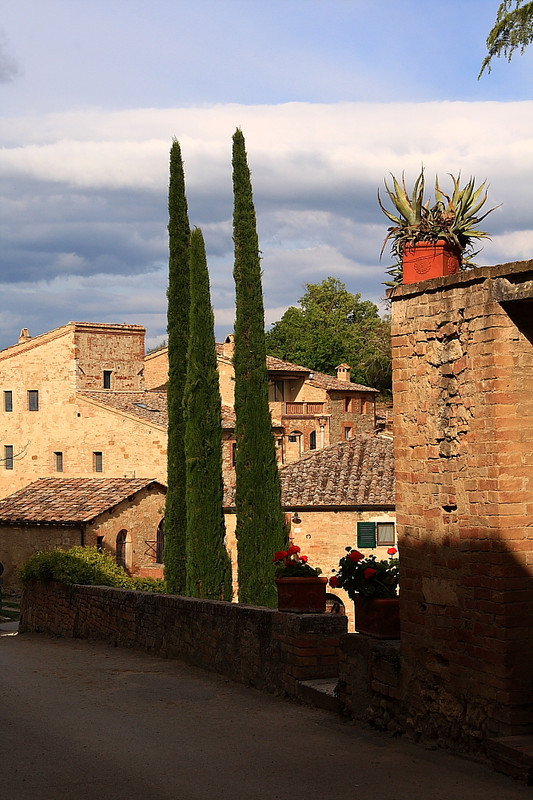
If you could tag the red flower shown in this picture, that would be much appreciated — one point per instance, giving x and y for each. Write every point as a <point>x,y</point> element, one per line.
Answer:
<point>335,582</point>
<point>304,558</point>
<point>293,549</point>
<point>392,551</point>
<point>356,556</point>
<point>280,555</point>
<point>369,573</point>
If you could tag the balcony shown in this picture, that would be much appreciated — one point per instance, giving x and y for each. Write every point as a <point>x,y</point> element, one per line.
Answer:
<point>303,409</point>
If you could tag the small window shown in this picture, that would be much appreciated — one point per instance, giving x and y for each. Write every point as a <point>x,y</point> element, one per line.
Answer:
<point>366,534</point>
<point>348,404</point>
<point>33,400</point>
<point>121,548</point>
<point>279,390</point>
<point>58,461</point>
<point>9,456</point>
<point>347,432</point>
<point>312,440</point>
<point>8,401</point>
<point>160,543</point>
<point>293,438</point>
<point>233,453</point>
<point>107,378</point>
<point>385,533</point>
<point>100,544</point>
<point>98,461</point>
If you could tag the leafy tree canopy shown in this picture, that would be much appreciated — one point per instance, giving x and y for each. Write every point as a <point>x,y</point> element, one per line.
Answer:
<point>331,326</point>
<point>513,30</point>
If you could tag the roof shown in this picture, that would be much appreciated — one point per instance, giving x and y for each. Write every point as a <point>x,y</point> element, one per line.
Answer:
<point>358,472</point>
<point>69,500</point>
<point>150,405</point>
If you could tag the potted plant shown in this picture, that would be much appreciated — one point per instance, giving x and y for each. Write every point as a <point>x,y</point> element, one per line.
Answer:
<point>373,586</point>
<point>300,587</point>
<point>427,240</point>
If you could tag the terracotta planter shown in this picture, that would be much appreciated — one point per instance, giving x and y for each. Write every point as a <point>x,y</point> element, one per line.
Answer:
<point>302,595</point>
<point>426,260</point>
<point>378,617</point>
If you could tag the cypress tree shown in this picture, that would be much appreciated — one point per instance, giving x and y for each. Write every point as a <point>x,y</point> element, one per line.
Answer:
<point>208,563</point>
<point>178,338</point>
<point>260,523</point>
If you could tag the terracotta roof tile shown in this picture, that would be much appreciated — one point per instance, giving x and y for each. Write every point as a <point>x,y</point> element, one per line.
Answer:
<point>359,472</point>
<point>149,405</point>
<point>68,500</point>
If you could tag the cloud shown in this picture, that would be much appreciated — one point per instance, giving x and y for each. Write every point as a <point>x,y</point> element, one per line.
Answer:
<point>9,68</point>
<point>83,198</point>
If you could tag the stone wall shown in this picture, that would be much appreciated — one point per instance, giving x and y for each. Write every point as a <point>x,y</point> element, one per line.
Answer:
<point>463,418</point>
<point>256,646</point>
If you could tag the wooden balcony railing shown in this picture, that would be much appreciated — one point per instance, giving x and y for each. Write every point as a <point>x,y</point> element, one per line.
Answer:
<point>303,409</point>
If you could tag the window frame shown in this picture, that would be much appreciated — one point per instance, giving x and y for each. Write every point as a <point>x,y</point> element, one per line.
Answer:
<point>9,456</point>
<point>8,400</point>
<point>108,378</point>
<point>382,524</point>
<point>98,461</point>
<point>58,461</point>
<point>33,400</point>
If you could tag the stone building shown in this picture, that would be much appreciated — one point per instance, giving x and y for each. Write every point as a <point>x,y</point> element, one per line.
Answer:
<point>463,385</point>
<point>120,515</point>
<point>338,497</point>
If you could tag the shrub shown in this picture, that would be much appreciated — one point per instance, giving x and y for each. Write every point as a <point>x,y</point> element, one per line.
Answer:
<point>83,565</point>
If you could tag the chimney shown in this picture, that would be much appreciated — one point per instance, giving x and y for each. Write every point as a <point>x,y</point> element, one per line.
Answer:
<point>229,345</point>
<point>24,336</point>
<point>343,372</point>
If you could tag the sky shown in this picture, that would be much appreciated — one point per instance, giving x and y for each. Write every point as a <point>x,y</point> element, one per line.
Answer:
<point>332,97</point>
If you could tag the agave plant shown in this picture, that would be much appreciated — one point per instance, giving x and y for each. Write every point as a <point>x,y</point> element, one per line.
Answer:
<point>453,219</point>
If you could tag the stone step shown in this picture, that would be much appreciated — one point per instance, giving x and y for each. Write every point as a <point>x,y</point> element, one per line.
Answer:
<point>320,692</point>
<point>513,755</point>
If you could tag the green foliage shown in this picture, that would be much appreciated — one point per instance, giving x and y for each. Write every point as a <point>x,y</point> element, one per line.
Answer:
<point>513,30</point>
<point>453,218</point>
<point>260,523</point>
<point>86,566</point>
<point>333,326</point>
<point>178,339</point>
<point>208,563</point>
<point>367,577</point>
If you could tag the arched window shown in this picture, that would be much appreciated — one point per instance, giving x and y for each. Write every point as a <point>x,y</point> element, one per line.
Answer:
<point>122,539</point>
<point>160,543</point>
<point>312,440</point>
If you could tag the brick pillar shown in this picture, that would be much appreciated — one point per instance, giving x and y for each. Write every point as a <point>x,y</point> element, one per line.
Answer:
<point>463,430</point>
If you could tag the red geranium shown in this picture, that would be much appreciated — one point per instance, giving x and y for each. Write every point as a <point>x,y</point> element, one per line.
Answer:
<point>356,556</point>
<point>280,555</point>
<point>369,573</point>
<point>334,582</point>
<point>293,549</point>
<point>392,551</point>
<point>304,558</point>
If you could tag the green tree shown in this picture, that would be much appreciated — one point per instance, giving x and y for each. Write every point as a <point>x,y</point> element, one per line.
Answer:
<point>513,30</point>
<point>178,338</point>
<point>208,563</point>
<point>331,326</point>
<point>260,523</point>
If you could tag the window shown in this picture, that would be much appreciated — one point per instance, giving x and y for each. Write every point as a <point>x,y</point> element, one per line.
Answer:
<point>9,456</point>
<point>372,534</point>
<point>121,548</point>
<point>279,390</point>
<point>33,400</point>
<point>160,543</point>
<point>347,431</point>
<point>58,461</point>
<point>348,404</point>
<point>385,533</point>
<point>100,544</point>
<point>233,453</point>
<point>107,378</point>
<point>98,461</point>
<point>312,440</point>
<point>8,401</point>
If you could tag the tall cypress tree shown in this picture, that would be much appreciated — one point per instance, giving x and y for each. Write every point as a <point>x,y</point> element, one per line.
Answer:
<point>208,563</point>
<point>260,523</point>
<point>178,339</point>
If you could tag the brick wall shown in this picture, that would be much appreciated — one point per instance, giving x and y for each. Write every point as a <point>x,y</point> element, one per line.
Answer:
<point>255,646</point>
<point>463,419</point>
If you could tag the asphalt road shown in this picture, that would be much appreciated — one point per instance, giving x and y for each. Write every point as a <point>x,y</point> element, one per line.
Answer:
<point>85,721</point>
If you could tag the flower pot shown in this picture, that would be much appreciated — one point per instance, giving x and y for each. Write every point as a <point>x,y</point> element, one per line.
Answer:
<point>302,595</point>
<point>378,617</point>
<point>425,260</point>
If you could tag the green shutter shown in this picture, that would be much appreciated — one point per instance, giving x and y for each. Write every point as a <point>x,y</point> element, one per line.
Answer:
<point>366,534</point>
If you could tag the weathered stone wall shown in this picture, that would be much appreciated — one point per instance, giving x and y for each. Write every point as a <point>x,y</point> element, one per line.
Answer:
<point>361,416</point>
<point>116,348</point>
<point>463,419</point>
<point>255,646</point>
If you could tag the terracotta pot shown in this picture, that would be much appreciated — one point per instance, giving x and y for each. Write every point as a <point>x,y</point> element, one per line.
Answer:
<point>378,617</point>
<point>302,595</point>
<point>425,260</point>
